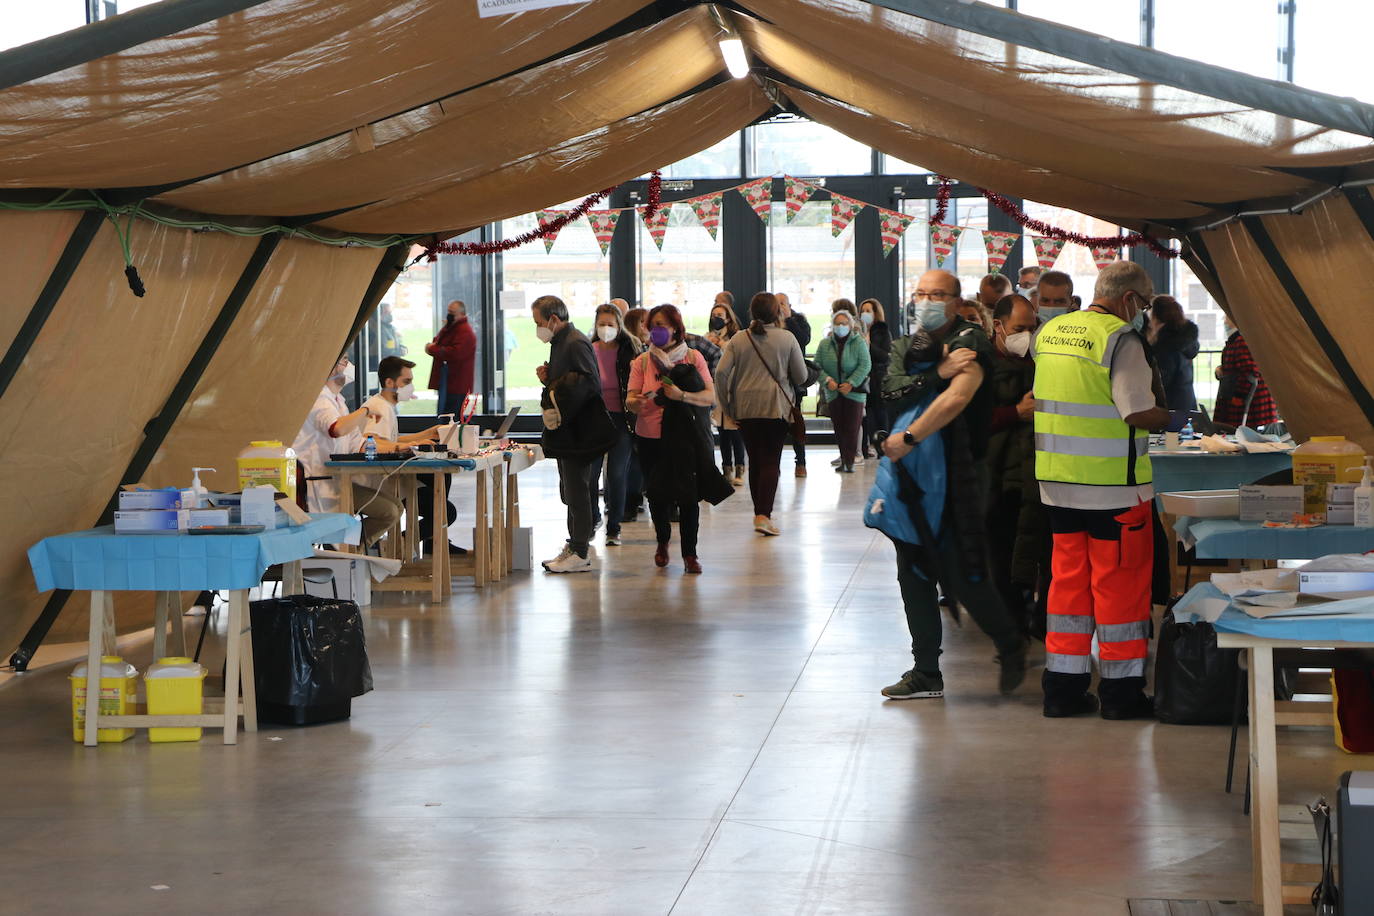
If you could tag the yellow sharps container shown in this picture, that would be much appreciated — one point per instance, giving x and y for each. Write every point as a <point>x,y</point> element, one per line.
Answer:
<point>117,690</point>
<point>176,687</point>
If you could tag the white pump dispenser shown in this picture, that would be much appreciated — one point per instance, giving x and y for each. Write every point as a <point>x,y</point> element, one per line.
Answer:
<point>1364,498</point>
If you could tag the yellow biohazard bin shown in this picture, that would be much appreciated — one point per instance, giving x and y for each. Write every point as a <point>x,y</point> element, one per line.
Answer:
<point>268,462</point>
<point>175,687</point>
<point>117,689</point>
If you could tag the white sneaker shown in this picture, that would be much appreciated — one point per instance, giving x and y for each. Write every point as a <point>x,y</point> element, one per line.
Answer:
<point>566,552</point>
<point>572,563</point>
<point>858,460</point>
<point>764,526</point>
<point>835,463</point>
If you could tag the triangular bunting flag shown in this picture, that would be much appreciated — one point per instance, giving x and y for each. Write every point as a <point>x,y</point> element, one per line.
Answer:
<point>545,217</point>
<point>944,239</point>
<point>658,223</point>
<point>795,193</point>
<point>842,212</point>
<point>603,226</point>
<point>707,209</point>
<point>758,194</point>
<point>892,224</point>
<point>1047,250</point>
<point>1105,254</point>
<point>999,246</point>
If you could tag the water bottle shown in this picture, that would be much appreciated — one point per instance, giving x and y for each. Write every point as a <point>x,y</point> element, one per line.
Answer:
<point>1188,431</point>
<point>370,449</point>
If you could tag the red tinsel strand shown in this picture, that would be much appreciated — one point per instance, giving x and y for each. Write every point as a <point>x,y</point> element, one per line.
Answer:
<point>549,229</point>
<point>1054,232</point>
<point>942,199</point>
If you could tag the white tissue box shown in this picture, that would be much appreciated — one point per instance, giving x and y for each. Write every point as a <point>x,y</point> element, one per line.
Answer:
<point>1270,504</point>
<point>1325,582</point>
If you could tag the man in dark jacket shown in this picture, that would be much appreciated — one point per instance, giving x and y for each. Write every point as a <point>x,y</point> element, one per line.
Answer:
<point>577,428</point>
<point>796,322</point>
<point>454,350</point>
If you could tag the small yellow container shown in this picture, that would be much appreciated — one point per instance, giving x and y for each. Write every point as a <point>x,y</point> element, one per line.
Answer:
<point>1322,461</point>
<point>176,687</point>
<point>117,691</point>
<point>268,462</point>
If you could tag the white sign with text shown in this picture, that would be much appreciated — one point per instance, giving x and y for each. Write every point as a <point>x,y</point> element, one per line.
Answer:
<point>486,8</point>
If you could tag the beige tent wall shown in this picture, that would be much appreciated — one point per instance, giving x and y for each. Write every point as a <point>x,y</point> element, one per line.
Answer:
<point>32,244</point>
<point>102,366</point>
<point>263,379</point>
<point>1316,245</point>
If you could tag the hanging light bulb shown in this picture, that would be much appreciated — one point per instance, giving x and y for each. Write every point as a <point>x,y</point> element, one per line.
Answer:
<point>731,46</point>
<point>732,49</point>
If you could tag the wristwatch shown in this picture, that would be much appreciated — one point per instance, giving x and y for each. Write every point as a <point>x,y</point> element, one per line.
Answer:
<point>909,439</point>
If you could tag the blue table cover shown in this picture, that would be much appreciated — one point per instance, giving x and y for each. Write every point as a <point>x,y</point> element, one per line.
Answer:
<point>1229,539</point>
<point>1176,472</point>
<point>452,464</point>
<point>99,559</point>
<point>1355,627</point>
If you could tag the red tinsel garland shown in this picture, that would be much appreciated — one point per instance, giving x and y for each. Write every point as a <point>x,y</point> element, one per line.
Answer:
<point>1054,232</point>
<point>549,229</point>
<point>941,199</point>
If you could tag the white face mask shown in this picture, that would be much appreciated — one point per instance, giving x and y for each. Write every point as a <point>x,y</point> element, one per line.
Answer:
<point>346,375</point>
<point>406,392</point>
<point>1018,344</point>
<point>1026,290</point>
<point>544,334</point>
<point>867,319</point>
<point>607,333</point>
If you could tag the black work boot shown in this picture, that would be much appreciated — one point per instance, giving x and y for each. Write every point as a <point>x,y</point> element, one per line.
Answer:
<point>1124,698</point>
<point>1067,695</point>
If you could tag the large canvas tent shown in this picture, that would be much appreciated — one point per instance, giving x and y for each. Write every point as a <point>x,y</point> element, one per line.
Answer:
<point>316,140</point>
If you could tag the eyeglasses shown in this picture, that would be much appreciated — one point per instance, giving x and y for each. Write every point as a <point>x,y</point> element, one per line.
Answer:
<point>935,295</point>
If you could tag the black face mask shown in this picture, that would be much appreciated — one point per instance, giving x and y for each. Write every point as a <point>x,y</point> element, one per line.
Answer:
<point>449,318</point>
<point>717,323</point>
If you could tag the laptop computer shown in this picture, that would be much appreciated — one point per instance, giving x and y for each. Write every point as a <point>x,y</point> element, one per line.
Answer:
<point>504,429</point>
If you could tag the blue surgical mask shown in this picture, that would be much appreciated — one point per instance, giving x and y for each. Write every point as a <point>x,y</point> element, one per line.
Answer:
<point>930,316</point>
<point>1138,322</point>
<point>1047,312</point>
<point>841,331</point>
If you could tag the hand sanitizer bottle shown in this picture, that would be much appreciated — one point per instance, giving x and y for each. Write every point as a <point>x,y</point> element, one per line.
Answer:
<point>1364,498</point>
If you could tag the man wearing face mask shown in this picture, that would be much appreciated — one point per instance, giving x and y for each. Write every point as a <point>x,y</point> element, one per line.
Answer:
<point>1056,295</point>
<point>1027,280</point>
<point>960,356</point>
<point>578,431</point>
<point>397,381</point>
<point>1097,398</point>
<point>1011,448</point>
<point>330,428</point>
<point>454,350</point>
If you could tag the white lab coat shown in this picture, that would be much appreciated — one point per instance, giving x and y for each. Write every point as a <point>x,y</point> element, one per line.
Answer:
<point>315,443</point>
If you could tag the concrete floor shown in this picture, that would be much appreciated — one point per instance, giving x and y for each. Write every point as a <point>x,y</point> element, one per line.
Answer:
<point>637,742</point>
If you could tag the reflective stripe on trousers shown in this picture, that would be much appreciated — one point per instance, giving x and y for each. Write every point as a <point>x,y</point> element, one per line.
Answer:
<point>1102,567</point>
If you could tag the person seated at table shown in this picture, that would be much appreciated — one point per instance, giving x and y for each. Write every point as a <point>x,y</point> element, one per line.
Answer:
<point>330,428</point>
<point>397,385</point>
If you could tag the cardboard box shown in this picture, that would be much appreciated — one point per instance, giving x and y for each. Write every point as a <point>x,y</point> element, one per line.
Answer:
<point>1332,582</point>
<point>351,578</point>
<point>137,500</point>
<point>146,521</point>
<point>1270,504</point>
<point>1340,503</point>
<point>199,518</point>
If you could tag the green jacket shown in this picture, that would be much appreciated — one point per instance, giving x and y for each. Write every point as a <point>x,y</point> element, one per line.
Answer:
<point>853,366</point>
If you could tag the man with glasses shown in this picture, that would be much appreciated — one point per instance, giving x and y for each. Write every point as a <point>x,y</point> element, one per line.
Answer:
<point>949,358</point>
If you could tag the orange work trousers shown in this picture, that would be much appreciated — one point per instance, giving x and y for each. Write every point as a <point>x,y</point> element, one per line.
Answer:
<point>1102,565</point>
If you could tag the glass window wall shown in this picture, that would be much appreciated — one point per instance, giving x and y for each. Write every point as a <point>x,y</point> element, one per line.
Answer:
<point>1331,38</point>
<point>797,147</point>
<point>687,272</point>
<point>1074,260</point>
<point>1119,19</point>
<point>1190,29</point>
<point>813,267</point>
<point>719,161</point>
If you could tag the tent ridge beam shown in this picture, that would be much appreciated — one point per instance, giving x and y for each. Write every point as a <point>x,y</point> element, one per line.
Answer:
<point>155,433</point>
<point>1254,225</point>
<point>1320,108</point>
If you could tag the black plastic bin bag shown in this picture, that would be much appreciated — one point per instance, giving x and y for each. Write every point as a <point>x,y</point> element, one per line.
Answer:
<point>309,659</point>
<point>1195,681</point>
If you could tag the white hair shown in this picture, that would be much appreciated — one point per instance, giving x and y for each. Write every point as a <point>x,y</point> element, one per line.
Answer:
<point>1121,277</point>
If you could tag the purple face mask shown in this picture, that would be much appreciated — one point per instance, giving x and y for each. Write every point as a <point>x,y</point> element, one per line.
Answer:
<point>659,337</point>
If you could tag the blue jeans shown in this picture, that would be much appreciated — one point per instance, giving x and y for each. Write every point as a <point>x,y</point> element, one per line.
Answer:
<point>617,477</point>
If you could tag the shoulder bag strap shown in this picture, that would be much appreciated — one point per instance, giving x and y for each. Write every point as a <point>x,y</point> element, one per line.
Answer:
<point>788,395</point>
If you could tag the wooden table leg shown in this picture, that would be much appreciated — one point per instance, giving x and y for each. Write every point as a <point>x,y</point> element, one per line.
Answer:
<point>95,650</point>
<point>481,541</point>
<point>512,515</point>
<point>238,613</point>
<point>1264,784</point>
<point>247,676</point>
<point>498,524</point>
<point>346,505</point>
<point>412,514</point>
<point>293,578</point>
<point>439,571</point>
<point>162,601</point>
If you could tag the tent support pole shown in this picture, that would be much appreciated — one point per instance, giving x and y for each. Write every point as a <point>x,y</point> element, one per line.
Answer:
<point>1265,243</point>
<point>61,275</point>
<point>155,433</point>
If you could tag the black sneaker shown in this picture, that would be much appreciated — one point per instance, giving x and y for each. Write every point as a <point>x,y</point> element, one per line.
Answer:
<point>1081,705</point>
<point>1013,672</point>
<point>1138,707</point>
<point>916,685</point>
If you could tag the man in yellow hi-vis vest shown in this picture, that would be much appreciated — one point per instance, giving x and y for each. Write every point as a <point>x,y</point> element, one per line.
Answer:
<point>1096,398</point>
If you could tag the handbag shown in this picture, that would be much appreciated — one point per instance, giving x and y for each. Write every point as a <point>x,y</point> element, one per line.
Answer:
<point>796,421</point>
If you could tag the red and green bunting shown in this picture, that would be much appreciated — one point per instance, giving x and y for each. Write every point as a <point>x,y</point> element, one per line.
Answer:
<point>1105,254</point>
<point>795,193</point>
<point>892,224</point>
<point>1047,250</point>
<point>758,194</point>
<point>944,239</point>
<point>999,246</point>
<point>657,224</point>
<point>707,210</point>
<point>842,212</point>
<point>603,226</point>
<point>545,217</point>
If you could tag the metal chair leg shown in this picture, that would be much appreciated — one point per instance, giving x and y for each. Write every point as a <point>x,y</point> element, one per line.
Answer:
<point>1236,709</point>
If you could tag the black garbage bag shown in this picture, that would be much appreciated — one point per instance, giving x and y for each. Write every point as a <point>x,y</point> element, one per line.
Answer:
<point>1195,681</point>
<point>309,659</point>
